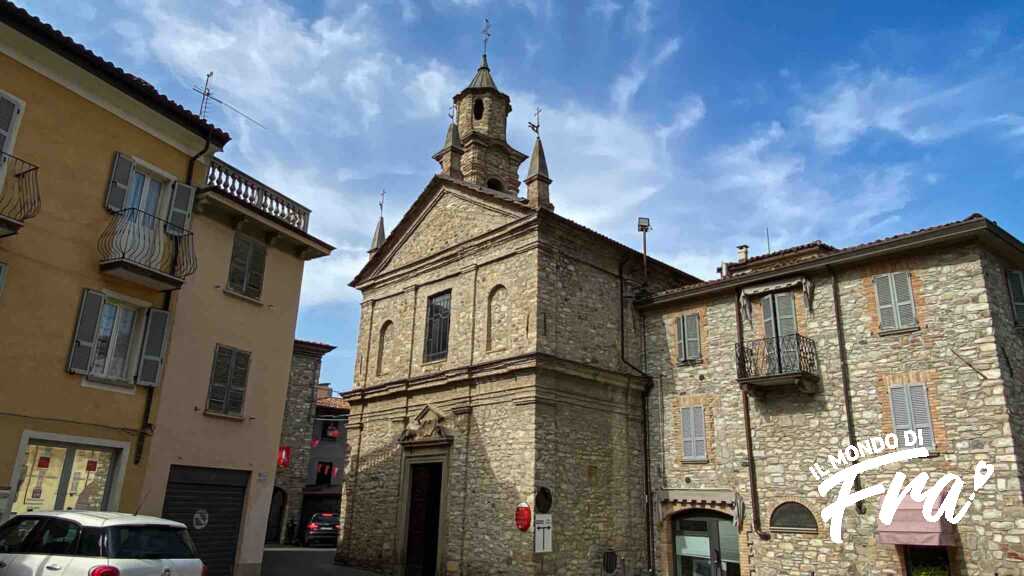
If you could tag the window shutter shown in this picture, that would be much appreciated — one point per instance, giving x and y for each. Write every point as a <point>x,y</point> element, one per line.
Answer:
<point>180,213</point>
<point>699,440</point>
<point>688,445</point>
<point>239,380</point>
<point>922,418</point>
<point>886,308</point>
<point>154,344</point>
<point>693,337</point>
<point>9,113</point>
<point>254,277</point>
<point>786,313</point>
<point>901,418</point>
<point>220,379</point>
<point>1016,278</point>
<point>239,265</point>
<point>904,299</point>
<point>85,332</point>
<point>680,340</point>
<point>769,316</point>
<point>120,180</point>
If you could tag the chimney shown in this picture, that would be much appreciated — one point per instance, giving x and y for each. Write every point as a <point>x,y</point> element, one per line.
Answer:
<point>742,253</point>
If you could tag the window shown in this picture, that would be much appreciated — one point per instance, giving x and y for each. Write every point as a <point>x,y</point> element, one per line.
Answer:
<point>895,301</point>
<point>1015,278</point>
<point>109,338</point>
<point>688,338</point>
<point>57,538</point>
<point>11,110</point>
<point>14,534</point>
<point>911,411</point>
<point>497,319</point>
<point>90,543</point>
<point>324,473</point>
<point>144,193</point>
<point>62,476</point>
<point>793,516</point>
<point>151,542</point>
<point>782,346</point>
<point>694,440</point>
<point>478,109</point>
<point>245,272</point>
<point>228,381</point>
<point>495,184</point>
<point>439,308</point>
<point>384,347</point>
<point>329,431</point>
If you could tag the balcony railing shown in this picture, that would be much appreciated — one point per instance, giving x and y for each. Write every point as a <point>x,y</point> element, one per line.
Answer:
<point>252,192</point>
<point>19,193</point>
<point>142,247</point>
<point>791,359</point>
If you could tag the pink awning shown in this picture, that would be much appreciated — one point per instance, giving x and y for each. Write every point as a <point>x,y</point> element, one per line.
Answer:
<point>909,528</point>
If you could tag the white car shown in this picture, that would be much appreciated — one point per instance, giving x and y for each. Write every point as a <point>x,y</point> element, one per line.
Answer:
<point>80,543</point>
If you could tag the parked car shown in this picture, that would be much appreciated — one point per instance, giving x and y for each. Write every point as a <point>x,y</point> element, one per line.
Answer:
<point>323,527</point>
<point>79,543</point>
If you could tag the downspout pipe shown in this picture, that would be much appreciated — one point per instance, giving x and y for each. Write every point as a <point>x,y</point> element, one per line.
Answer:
<point>755,503</point>
<point>648,385</point>
<point>844,364</point>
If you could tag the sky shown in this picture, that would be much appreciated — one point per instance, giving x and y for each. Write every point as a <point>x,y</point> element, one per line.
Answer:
<point>842,121</point>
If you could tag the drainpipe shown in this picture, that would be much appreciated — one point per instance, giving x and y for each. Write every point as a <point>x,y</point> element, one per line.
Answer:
<point>844,364</point>
<point>648,385</point>
<point>755,504</point>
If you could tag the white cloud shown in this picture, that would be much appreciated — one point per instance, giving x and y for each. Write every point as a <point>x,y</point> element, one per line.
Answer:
<point>640,16</point>
<point>606,8</point>
<point>690,113</point>
<point>625,86</point>
<point>431,90</point>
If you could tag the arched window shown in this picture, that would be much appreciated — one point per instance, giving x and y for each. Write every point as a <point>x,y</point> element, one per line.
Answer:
<point>497,319</point>
<point>793,516</point>
<point>384,348</point>
<point>495,184</point>
<point>478,109</point>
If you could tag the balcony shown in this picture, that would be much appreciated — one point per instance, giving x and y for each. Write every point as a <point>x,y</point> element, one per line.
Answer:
<point>19,193</point>
<point>147,250</point>
<point>254,194</point>
<point>791,360</point>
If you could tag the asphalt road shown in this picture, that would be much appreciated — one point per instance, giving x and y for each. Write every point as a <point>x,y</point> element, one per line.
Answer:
<point>290,561</point>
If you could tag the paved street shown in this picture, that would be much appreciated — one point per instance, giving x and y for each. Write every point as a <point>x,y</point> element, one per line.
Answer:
<point>289,560</point>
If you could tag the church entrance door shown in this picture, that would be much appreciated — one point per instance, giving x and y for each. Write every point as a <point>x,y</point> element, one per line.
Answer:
<point>424,519</point>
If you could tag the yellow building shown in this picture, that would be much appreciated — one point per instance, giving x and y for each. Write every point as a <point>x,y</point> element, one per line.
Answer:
<point>147,302</point>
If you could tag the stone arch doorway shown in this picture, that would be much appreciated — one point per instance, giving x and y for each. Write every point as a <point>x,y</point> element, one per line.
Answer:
<point>704,543</point>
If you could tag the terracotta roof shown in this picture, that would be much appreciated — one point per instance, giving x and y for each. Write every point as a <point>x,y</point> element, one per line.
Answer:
<point>682,290</point>
<point>334,402</point>
<point>816,244</point>
<point>130,84</point>
<point>310,347</point>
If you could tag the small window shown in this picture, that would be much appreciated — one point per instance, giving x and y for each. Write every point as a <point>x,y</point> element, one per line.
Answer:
<point>57,538</point>
<point>439,308</point>
<point>495,184</point>
<point>384,347</point>
<point>911,411</point>
<point>108,337</point>
<point>497,319</point>
<point>329,431</point>
<point>248,260</point>
<point>1015,278</point>
<point>688,338</point>
<point>895,301</point>
<point>228,381</point>
<point>15,534</point>
<point>113,341</point>
<point>324,473</point>
<point>478,109</point>
<point>694,438</point>
<point>793,516</point>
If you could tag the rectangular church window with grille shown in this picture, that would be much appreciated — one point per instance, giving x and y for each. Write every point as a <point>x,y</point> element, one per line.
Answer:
<point>439,309</point>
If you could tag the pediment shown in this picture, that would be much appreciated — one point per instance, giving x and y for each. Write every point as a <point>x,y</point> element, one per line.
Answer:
<point>427,426</point>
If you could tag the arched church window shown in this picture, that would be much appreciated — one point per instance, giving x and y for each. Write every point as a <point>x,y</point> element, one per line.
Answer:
<point>793,516</point>
<point>384,348</point>
<point>478,109</point>
<point>497,318</point>
<point>495,184</point>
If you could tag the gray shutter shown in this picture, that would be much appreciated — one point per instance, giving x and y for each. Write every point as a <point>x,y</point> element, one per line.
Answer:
<point>700,450</point>
<point>120,180</point>
<point>769,316</point>
<point>680,340</point>
<point>922,417</point>
<point>901,417</point>
<point>693,337</point>
<point>180,213</point>
<point>1016,278</point>
<point>786,313</point>
<point>239,380</point>
<point>239,265</point>
<point>886,307</point>
<point>254,278</point>
<point>154,344</point>
<point>220,379</point>
<point>904,299</point>
<point>688,444</point>
<point>85,332</point>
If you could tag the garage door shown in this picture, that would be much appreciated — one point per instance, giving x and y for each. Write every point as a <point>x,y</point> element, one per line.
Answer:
<point>210,502</point>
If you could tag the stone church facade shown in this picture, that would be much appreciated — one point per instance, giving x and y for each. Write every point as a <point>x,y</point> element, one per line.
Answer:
<point>504,349</point>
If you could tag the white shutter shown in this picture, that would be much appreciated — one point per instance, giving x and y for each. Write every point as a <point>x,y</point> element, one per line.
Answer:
<point>120,180</point>
<point>692,337</point>
<point>680,340</point>
<point>154,345</point>
<point>884,297</point>
<point>1016,279</point>
<point>919,411</point>
<point>180,213</point>
<point>904,299</point>
<point>901,417</point>
<point>85,332</point>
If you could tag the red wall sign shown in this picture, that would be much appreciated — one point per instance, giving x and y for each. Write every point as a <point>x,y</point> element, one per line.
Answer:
<point>44,462</point>
<point>284,456</point>
<point>523,516</point>
<point>90,466</point>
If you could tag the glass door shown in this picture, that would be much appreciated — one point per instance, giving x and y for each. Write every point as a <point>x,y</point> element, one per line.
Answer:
<point>64,477</point>
<point>705,545</point>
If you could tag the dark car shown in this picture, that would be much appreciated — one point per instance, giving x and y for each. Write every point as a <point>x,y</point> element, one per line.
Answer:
<point>322,528</point>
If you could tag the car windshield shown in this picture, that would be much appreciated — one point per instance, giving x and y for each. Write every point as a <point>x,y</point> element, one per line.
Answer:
<point>150,542</point>
<point>325,520</point>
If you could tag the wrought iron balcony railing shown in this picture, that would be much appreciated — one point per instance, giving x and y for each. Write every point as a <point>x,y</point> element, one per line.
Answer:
<point>19,192</point>
<point>252,192</point>
<point>142,247</point>
<point>772,361</point>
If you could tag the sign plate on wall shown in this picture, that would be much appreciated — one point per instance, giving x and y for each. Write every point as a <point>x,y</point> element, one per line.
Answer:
<point>542,534</point>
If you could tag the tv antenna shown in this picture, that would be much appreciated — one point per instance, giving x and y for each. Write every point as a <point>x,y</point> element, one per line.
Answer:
<point>208,96</point>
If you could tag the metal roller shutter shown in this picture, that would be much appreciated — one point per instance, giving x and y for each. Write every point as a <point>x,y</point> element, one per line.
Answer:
<point>210,502</point>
